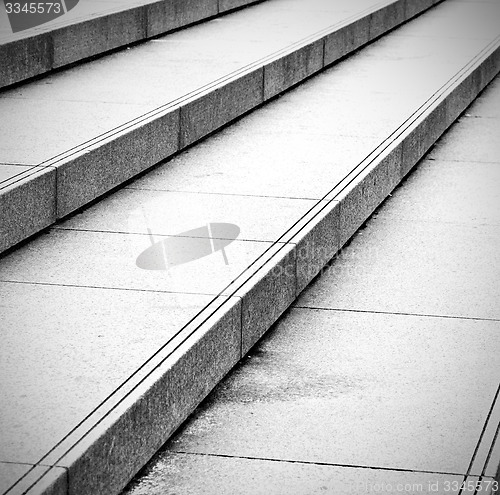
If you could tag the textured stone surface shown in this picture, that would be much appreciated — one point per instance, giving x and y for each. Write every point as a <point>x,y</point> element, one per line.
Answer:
<point>421,134</point>
<point>24,58</point>
<point>219,106</point>
<point>462,95</point>
<point>346,39</point>
<point>362,192</point>
<point>474,140</point>
<point>210,475</point>
<point>290,69</point>
<point>173,213</point>
<point>355,389</point>
<point>266,289</point>
<point>134,430</point>
<point>225,5</point>
<point>164,15</point>
<point>97,35</point>
<point>112,161</point>
<point>387,18</point>
<point>316,236</point>
<point>414,8</point>
<point>28,203</point>
<point>109,260</point>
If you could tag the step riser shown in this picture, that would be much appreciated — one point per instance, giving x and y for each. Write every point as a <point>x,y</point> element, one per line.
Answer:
<point>92,170</point>
<point>273,282</point>
<point>37,54</point>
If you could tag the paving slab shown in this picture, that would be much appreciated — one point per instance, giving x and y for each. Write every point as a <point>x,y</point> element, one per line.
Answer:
<point>20,479</point>
<point>458,192</point>
<point>210,475</point>
<point>10,473</point>
<point>386,391</point>
<point>114,261</point>
<point>413,267</point>
<point>106,325</point>
<point>246,161</point>
<point>475,140</point>
<point>487,104</point>
<point>69,123</point>
<point>464,22</point>
<point>109,328</point>
<point>174,213</point>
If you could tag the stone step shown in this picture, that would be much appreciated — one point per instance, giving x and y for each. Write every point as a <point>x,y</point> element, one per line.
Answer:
<point>107,350</point>
<point>73,136</point>
<point>86,29</point>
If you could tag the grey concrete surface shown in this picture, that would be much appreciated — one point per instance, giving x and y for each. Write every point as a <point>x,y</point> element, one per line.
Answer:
<point>164,16</point>
<point>37,479</point>
<point>225,5</point>
<point>428,127</point>
<point>267,294</point>
<point>98,34</point>
<point>90,29</point>
<point>94,259</point>
<point>247,161</point>
<point>150,324</point>
<point>206,113</point>
<point>488,104</point>
<point>457,192</point>
<point>97,259</point>
<point>343,40</point>
<point>317,239</point>
<point>343,381</point>
<point>38,130</point>
<point>448,270</point>
<point>10,473</point>
<point>28,202</point>
<point>359,194</point>
<point>122,327</point>
<point>380,391</point>
<point>115,159</point>
<point>164,80</point>
<point>135,427</point>
<point>283,73</point>
<point>475,140</point>
<point>11,171</point>
<point>172,213</point>
<point>211,475</point>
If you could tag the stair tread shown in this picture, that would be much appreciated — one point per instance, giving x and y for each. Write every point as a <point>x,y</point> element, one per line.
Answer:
<point>91,27</point>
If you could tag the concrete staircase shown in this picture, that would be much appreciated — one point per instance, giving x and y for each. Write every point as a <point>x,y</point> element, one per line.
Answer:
<point>104,354</point>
